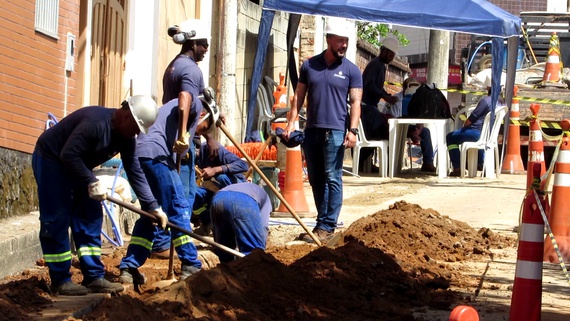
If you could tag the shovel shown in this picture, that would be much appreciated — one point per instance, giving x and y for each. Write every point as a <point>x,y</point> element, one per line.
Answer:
<point>176,227</point>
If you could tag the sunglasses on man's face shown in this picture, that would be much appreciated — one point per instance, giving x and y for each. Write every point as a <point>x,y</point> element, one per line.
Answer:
<point>203,44</point>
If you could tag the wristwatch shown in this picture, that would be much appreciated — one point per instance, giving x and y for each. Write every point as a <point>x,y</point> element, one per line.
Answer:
<point>354,131</point>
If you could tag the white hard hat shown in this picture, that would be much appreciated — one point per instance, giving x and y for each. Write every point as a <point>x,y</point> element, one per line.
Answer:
<point>340,27</point>
<point>391,44</point>
<point>189,29</point>
<point>210,107</point>
<point>144,111</point>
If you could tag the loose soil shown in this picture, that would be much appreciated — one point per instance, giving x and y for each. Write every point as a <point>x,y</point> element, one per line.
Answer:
<point>390,265</point>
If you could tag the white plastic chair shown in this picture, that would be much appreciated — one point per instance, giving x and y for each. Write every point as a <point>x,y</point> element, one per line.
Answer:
<point>380,145</point>
<point>465,112</point>
<point>486,142</point>
<point>265,113</point>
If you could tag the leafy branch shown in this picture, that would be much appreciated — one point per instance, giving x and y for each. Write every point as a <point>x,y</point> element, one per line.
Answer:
<point>372,32</point>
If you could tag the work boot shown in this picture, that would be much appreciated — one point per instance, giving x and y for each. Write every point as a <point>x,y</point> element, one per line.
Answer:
<point>429,168</point>
<point>321,234</point>
<point>455,173</point>
<point>132,276</point>
<point>188,270</point>
<point>204,229</point>
<point>102,285</point>
<point>70,288</point>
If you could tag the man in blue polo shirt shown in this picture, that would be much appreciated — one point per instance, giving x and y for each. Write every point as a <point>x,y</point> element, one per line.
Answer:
<point>327,80</point>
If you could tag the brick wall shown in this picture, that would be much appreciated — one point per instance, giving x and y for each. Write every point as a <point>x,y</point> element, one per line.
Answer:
<point>33,81</point>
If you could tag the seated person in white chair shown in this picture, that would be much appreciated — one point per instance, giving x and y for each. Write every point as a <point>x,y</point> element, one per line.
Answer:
<point>471,132</point>
<point>417,133</point>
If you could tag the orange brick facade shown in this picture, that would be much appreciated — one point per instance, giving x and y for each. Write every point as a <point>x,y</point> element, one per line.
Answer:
<point>33,80</point>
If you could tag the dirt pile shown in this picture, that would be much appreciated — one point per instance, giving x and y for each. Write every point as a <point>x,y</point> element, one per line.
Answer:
<point>386,265</point>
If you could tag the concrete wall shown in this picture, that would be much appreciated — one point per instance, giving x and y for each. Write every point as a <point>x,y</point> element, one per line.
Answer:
<point>18,190</point>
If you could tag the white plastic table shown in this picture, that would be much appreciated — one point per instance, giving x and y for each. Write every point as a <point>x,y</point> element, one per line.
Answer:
<point>398,135</point>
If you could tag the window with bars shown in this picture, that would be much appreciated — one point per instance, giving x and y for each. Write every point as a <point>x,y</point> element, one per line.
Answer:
<point>47,14</point>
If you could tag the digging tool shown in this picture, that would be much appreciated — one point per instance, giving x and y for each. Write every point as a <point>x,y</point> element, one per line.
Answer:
<point>258,157</point>
<point>176,227</point>
<point>268,182</point>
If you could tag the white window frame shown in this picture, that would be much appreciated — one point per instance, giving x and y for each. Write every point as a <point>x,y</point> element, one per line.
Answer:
<point>47,17</point>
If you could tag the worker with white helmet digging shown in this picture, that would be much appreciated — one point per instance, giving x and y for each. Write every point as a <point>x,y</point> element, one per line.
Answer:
<point>69,193</point>
<point>171,134</point>
<point>183,74</point>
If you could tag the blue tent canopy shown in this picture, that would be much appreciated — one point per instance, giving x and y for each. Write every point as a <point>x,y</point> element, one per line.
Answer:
<point>467,16</point>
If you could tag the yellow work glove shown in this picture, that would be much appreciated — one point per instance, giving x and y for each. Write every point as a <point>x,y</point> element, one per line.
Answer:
<point>97,191</point>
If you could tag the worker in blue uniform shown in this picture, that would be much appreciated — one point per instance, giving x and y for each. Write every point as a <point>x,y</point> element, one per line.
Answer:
<point>69,193</point>
<point>157,154</point>
<point>218,171</point>
<point>240,216</point>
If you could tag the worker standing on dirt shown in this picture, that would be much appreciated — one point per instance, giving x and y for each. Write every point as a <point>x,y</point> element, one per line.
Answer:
<point>70,194</point>
<point>374,123</point>
<point>240,217</point>
<point>327,80</point>
<point>220,171</point>
<point>157,151</point>
<point>183,74</point>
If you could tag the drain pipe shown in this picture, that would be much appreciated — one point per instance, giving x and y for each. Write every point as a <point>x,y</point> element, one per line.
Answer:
<point>226,65</point>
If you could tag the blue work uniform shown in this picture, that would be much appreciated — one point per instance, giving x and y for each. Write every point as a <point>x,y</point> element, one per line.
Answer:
<point>327,118</point>
<point>471,133</point>
<point>63,160</point>
<point>158,163</point>
<point>233,168</point>
<point>182,74</point>
<point>240,217</point>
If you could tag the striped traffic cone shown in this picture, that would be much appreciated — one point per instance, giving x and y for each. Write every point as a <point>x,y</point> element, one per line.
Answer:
<point>513,163</point>
<point>559,217</point>
<point>527,289</point>
<point>553,68</point>
<point>535,145</point>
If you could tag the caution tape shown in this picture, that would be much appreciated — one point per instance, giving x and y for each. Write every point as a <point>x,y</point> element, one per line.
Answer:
<point>484,93</point>
<point>552,238</point>
<point>543,123</point>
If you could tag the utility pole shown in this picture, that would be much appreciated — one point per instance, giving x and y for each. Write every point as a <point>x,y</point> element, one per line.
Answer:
<point>438,59</point>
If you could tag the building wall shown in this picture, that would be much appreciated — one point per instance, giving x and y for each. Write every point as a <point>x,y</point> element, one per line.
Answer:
<point>32,72</point>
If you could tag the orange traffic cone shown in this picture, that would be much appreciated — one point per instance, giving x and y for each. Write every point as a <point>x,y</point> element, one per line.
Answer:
<point>559,217</point>
<point>291,184</point>
<point>535,145</point>
<point>553,68</point>
<point>464,313</point>
<point>527,289</point>
<point>513,163</point>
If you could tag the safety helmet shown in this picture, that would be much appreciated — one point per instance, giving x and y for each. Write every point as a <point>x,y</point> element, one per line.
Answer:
<point>340,27</point>
<point>144,111</point>
<point>391,44</point>
<point>210,108</point>
<point>192,28</point>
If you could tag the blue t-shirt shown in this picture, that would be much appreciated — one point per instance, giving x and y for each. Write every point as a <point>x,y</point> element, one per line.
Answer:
<point>477,116</point>
<point>327,91</point>
<point>158,142</point>
<point>182,74</point>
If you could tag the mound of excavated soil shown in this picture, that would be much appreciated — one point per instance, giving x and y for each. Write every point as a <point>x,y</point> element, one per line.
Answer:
<point>385,266</point>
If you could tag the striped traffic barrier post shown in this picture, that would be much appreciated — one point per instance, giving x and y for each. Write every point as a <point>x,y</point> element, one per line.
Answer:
<point>527,289</point>
<point>535,145</point>
<point>559,216</point>
<point>513,163</point>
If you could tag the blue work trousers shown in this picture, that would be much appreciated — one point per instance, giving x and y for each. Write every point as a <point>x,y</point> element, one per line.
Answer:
<point>324,153</point>
<point>167,188</point>
<point>64,204</point>
<point>425,144</point>
<point>236,220</point>
<point>459,136</point>
<point>188,178</point>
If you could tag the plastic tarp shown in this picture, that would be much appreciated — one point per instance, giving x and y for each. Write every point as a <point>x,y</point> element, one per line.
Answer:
<point>466,16</point>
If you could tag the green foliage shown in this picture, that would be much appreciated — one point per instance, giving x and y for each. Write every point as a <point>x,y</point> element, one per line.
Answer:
<point>372,32</point>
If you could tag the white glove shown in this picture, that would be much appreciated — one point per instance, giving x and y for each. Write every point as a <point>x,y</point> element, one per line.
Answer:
<point>97,191</point>
<point>161,218</point>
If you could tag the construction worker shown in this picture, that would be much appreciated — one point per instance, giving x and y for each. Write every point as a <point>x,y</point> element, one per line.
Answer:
<point>240,217</point>
<point>183,74</point>
<point>221,171</point>
<point>70,194</point>
<point>156,151</point>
